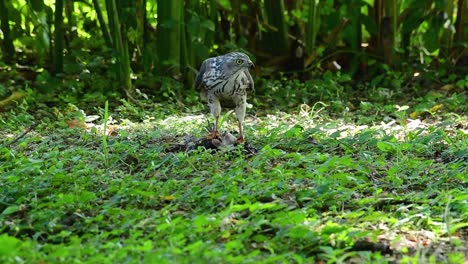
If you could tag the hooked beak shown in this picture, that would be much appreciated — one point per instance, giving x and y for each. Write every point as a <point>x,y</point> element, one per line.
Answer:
<point>251,64</point>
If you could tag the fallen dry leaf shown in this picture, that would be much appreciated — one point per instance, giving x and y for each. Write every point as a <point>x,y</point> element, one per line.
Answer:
<point>76,123</point>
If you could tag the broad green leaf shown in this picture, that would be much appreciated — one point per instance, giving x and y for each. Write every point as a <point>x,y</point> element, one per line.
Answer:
<point>208,24</point>
<point>225,4</point>
<point>10,210</point>
<point>385,146</point>
<point>9,245</point>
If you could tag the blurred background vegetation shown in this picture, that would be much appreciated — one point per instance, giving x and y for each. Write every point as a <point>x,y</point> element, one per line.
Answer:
<point>95,49</point>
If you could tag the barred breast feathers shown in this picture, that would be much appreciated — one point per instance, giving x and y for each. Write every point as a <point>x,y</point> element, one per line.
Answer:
<point>212,76</point>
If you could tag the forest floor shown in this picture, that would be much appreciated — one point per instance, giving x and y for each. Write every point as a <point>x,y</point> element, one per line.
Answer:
<point>379,183</point>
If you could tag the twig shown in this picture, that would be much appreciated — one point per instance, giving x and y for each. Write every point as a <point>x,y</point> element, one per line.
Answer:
<point>24,133</point>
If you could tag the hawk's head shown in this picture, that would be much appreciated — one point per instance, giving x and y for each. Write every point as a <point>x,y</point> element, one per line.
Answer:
<point>236,61</point>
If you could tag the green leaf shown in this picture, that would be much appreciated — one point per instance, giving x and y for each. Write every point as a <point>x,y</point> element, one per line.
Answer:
<point>454,228</point>
<point>226,4</point>
<point>208,24</point>
<point>385,146</point>
<point>431,40</point>
<point>9,245</point>
<point>86,196</point>
<point>10,210</point>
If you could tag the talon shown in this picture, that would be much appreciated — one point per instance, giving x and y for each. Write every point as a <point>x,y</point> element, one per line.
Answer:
<point>213,135</point>
<point>240,140</point>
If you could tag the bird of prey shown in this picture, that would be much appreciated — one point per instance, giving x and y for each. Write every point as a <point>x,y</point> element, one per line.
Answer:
<point>223,80</point>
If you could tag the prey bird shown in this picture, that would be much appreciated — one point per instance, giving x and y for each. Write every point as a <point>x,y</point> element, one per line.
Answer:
<point>224,80</point>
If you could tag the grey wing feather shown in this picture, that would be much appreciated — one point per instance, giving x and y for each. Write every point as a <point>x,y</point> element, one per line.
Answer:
<point>203,68</point>
<point>251,82</point>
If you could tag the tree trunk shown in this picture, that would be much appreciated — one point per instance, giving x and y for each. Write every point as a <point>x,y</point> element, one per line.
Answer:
<point>278,39</point>
<point>120,47</point>
<point>313,25</point>
<point>58,36</point>
<point>169,35</point>
<point>461,25</point>
<point>102,23</point>
<point>7,47</point>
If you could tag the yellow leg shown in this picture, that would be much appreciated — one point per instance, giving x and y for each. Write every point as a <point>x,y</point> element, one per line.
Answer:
<point>215,133</point>
<point>240,139</point>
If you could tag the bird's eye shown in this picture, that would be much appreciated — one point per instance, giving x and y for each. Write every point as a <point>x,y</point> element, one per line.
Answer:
<point>239,62</point>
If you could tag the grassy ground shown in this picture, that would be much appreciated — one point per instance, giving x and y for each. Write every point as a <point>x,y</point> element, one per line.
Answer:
<point>364,186</point>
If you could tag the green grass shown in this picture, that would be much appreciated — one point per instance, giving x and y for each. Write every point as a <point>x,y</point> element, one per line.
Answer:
<point>363,187</point>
